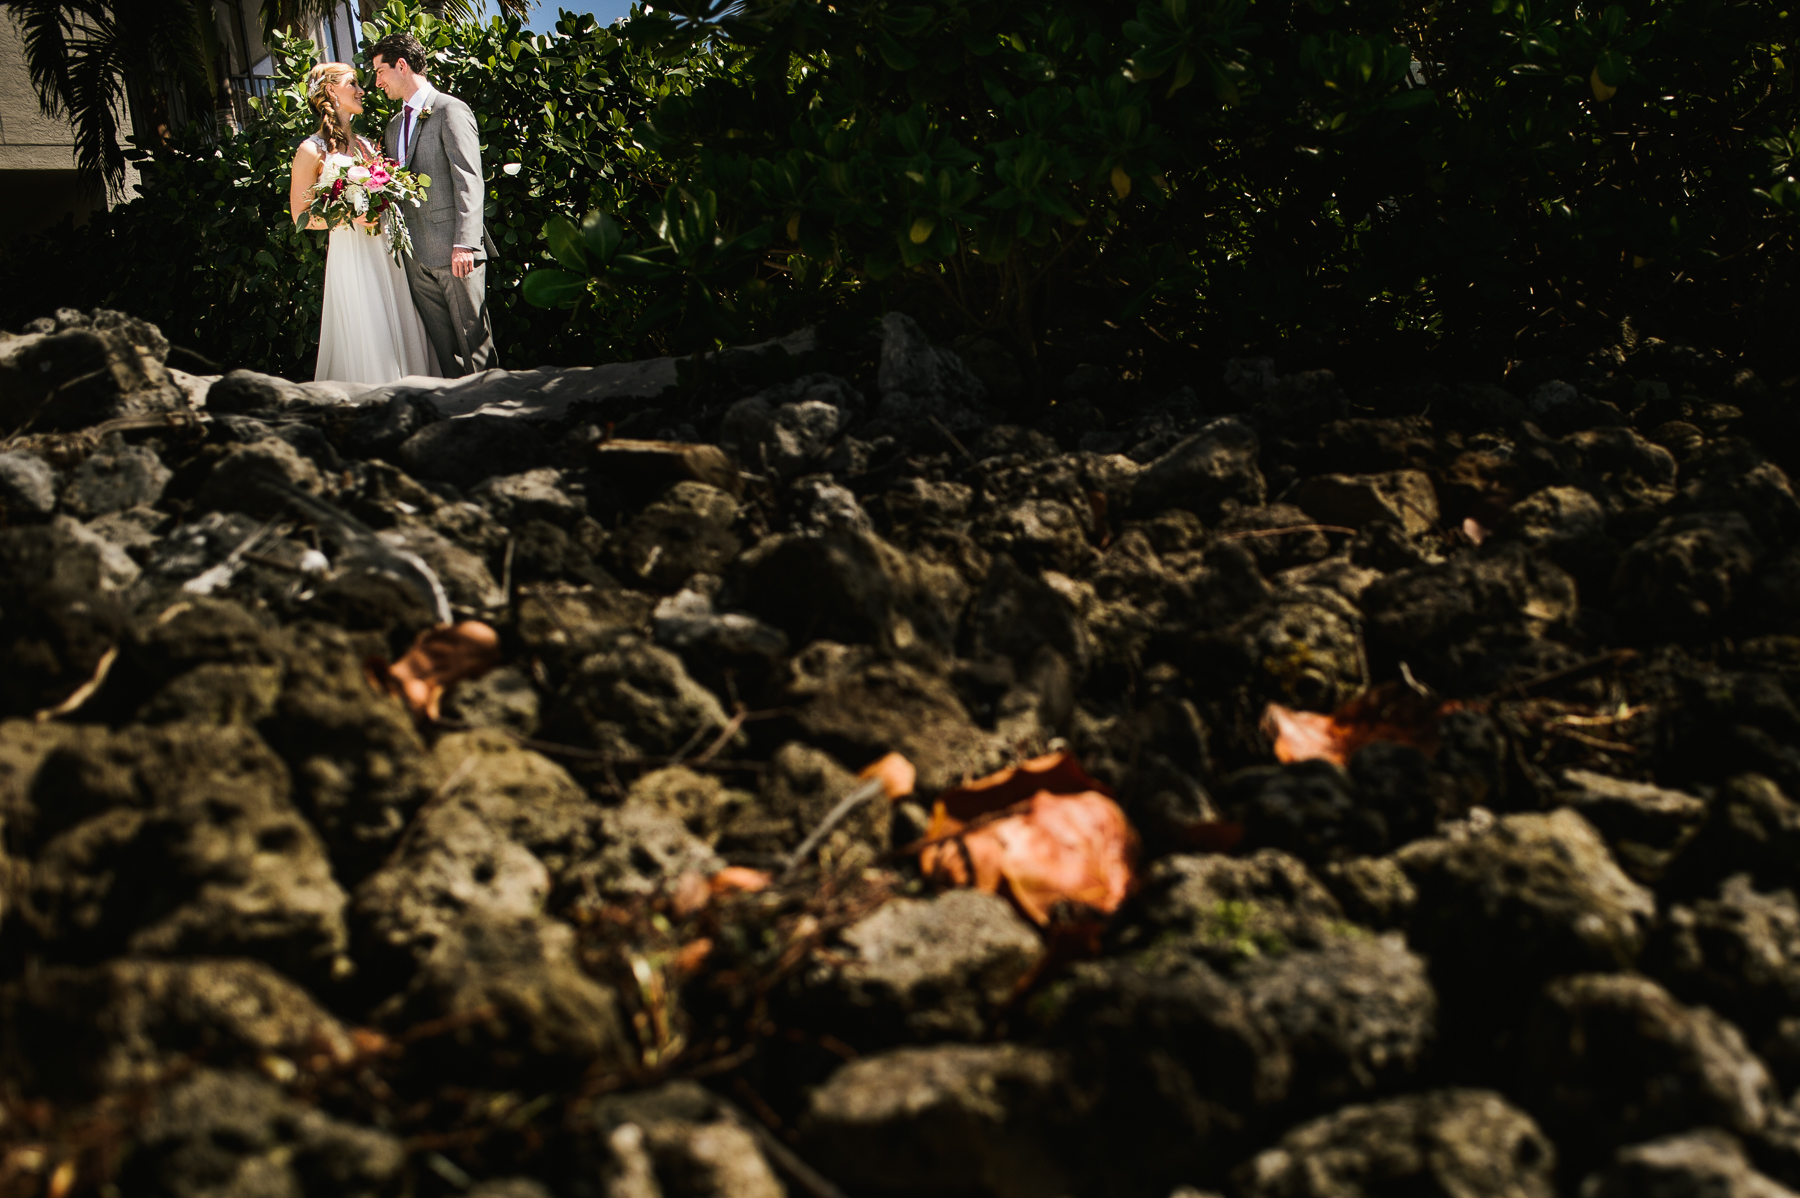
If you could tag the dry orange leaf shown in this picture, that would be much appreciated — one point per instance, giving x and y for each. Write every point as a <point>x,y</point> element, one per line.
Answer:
<point>896,774</point>
<point>439,657</point>
<point>691,956</point>
<point>739,879</point>
<point>1043,832</point>
<point>1389,712</point>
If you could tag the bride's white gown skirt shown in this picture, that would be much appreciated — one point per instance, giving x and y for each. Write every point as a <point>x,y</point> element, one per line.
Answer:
<point>369,331</point>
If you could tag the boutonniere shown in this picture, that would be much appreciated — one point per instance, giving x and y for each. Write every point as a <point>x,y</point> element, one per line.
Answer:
<point>424,114</point>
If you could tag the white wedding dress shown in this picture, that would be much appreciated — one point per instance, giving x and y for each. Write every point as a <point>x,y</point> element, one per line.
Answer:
<point>369,331</point>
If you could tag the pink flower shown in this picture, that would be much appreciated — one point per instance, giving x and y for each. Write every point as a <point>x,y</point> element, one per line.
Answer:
<point>379,177</point>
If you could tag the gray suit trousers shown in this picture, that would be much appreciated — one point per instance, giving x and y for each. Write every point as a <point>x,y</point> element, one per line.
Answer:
<point>456,317</point>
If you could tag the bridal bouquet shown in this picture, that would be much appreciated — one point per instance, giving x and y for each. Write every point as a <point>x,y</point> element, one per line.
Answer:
<point>349,188</point>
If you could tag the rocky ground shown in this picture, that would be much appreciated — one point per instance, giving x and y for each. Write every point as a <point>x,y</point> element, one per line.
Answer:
<point>266,930</point>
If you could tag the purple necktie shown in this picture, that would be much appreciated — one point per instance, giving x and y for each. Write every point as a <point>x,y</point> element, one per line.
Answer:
<point>406,133</point>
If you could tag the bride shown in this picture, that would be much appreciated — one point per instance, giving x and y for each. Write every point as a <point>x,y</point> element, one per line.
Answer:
<point>369,331</point>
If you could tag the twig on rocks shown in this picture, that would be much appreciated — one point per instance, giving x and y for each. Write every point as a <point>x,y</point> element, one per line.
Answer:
<point>85,691</point>
<point>780,1155</point>
<point>551,749</point>
<point>214,577</point>
<point>1580,671</point>
<point>1278,532</point>
<point>850,802</point>
<point>1593,742</point>
<point>688,746</point>
<point>52,394</point>
<point>448,1023</point>
<point>945,429</point>
<point>730,730</point>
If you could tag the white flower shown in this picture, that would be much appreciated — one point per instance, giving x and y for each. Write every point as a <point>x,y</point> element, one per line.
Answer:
<point>358,174</point>
<point>359,199</point>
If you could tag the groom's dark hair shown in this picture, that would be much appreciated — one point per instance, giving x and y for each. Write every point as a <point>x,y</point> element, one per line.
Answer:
<point>396,46</point>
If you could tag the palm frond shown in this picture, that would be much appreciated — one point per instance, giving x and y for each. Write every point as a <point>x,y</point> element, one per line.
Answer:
<point>475,11</point>
<point>298,14</point>
<point>96,74</point>
<point>46,27</point>
<point>79,54</point>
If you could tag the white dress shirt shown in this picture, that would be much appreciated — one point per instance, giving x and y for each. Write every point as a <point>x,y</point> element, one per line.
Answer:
<point>420,101</point>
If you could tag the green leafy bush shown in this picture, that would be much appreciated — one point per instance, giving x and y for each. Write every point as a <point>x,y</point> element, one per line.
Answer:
<point>1191,172</point>
<point>1224,170</point>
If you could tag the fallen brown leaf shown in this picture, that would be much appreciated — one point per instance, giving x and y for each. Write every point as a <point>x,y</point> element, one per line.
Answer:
<point>1389,712</point>
<point>439,658</point>
<point>1042,832</point>
<point>739,879</point>
<point>692,956</point>
<point>895,773</point>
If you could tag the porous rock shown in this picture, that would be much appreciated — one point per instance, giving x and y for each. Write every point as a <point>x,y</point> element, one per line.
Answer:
<point>1567,525</point>
<point>176,840</point>
<point>465,451</point>
<point>635,698</point>
<point>1212,472</point>
<point>919,381</point>
<point>1308,808</point>
<point>359,766</point>
<point>1737,951</point>
<point>518,981</point>
<point>542,494</point>
<point>27,486</point>
<point>1180,1063</point>
<point>1535,896</point>
<point>1358,1016</point>
<point>1645,825</point>
<point>1683,578</point>
<point>83,369</point>
<point>1707,1162</point>
<point>787,429</point>
<point>687,531</point>
<point>73,1030</point>
<point>244,480</point>
<point>1448,1143</point>
<point>505,824</point>
<point>936,969</point>
<point>799,787</point>
<point>1230,910</point>
<point>849,587</point>
<point>978,1119</point>
<point>1611,1059</point>
<point>678,1139</point>
<point>218,1133</point>
<point>859,706</point>
<point>115,476</point>
<point>1454,622</point>
<point>1403,496</point>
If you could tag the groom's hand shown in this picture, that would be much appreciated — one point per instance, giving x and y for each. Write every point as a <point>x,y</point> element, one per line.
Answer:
<point>462,262</point>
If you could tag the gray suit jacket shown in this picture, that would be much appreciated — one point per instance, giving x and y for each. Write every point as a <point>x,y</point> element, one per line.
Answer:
<point>447,147</point>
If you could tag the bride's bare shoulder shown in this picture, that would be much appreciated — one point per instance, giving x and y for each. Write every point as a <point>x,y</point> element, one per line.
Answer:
<point>309,153</point>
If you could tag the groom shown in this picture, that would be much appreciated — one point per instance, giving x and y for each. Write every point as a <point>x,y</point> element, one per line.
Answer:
<point>435,135</point>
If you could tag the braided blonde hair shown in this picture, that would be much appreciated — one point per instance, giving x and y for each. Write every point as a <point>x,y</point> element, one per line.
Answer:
<point>334,130</point>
